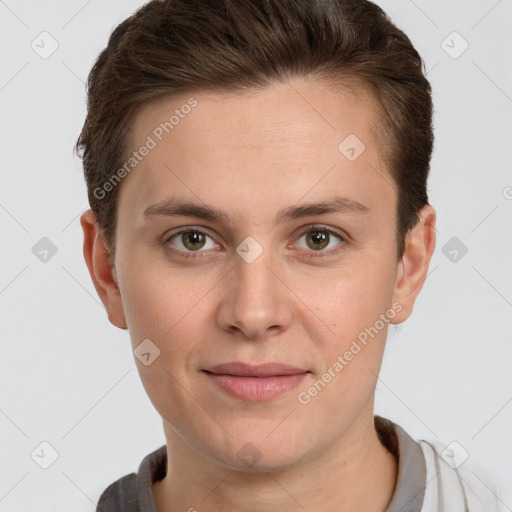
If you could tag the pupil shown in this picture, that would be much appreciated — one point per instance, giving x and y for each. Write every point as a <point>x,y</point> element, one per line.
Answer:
<point>319,238</point>
<point>193,238</point>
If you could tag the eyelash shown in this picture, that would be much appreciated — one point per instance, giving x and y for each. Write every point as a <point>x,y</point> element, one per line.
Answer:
<point>199,253</point>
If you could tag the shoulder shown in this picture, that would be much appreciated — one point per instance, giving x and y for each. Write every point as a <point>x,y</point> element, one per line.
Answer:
<point>455,483</point>
<point>133,492</point>
<point>434,477</point>
<point>120,495</point>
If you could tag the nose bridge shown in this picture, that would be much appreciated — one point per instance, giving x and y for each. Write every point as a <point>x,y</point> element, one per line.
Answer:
<point>255,298</point>
<point>256,280</point>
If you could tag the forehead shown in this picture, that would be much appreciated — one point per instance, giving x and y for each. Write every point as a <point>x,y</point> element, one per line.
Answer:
<point>284,141</point>
<point>295,110</point>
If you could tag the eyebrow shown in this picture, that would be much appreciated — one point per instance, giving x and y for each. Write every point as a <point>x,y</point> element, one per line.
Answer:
<point>174,207</point>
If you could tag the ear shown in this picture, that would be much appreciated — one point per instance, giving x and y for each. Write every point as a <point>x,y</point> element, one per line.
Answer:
<point>413,266</point>
<point>102,270</point>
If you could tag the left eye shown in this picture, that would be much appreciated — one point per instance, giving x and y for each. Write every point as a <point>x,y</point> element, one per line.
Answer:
<point>318,238</point>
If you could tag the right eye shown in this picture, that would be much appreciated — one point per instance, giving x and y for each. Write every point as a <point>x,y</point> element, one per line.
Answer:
<point>190,240</point>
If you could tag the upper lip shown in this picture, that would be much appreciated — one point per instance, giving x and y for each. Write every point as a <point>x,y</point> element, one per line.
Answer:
<point>262,370</point>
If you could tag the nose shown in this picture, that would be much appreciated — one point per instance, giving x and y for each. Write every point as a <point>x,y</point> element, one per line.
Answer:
<point>255,298</point>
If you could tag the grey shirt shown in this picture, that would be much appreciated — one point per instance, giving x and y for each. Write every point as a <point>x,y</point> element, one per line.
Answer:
<point>133,492</point>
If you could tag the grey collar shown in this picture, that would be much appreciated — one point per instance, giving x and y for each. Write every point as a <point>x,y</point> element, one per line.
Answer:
<point>412,471</point>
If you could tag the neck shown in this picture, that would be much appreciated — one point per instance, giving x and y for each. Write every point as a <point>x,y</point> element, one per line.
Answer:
<point>357,473</point>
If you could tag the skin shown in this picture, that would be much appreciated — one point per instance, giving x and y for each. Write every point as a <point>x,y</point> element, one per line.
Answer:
<point>252,155</point>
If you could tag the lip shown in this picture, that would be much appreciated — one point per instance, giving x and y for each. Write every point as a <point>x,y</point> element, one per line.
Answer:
<point>256,383</point>
<point>249,370</point>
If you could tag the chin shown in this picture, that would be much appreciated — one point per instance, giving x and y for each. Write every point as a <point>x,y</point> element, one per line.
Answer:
<point>255,461</point>
<point>261,454</point>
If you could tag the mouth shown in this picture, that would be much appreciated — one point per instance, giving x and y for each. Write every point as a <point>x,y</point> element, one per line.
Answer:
<point>256,383</point>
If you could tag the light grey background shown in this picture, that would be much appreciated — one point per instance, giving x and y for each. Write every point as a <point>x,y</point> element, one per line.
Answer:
<point>68,377</point>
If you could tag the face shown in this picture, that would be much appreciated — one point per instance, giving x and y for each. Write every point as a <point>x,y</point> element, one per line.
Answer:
<point>285,271</point>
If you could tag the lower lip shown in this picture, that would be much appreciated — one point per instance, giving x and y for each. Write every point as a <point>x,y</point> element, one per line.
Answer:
<point>257,389</point>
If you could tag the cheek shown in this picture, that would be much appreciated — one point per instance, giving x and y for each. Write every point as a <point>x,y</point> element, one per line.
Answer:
<point>166,310</point>
<point>351,352</point>
<point>159,301</point>
<point>351,349</point>
<point>346,301</point>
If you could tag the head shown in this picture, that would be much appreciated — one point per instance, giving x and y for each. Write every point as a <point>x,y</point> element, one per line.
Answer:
<point>264,117</point>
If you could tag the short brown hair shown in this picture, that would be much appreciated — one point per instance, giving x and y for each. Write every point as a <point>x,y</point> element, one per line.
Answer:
<point>173,47</point>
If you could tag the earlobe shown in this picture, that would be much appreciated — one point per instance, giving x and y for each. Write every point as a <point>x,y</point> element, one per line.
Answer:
<point>102,270</point>
<point>413,267</point>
